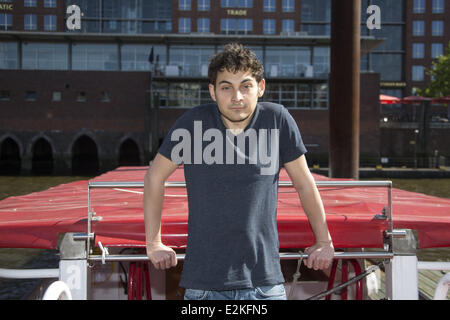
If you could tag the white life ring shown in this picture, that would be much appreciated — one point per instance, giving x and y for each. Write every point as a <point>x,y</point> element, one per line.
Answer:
<point>442,288</point>
<point>58,290</point>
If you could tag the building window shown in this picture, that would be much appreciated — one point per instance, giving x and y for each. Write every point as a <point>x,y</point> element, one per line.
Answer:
<point>389,65</point>
<point>94,57</point>
<point>236,3</point>
<point>227,26</point>
<point>228,3</point>
<point>5,21</point>
<point>236,26</point>
<point>30,3</point>
<point>81,96</point>
<point>321,63</point>
<point>288,6</point>
<point>245,3</point>
<point>419,6</point>
<point>30,96</point>
<point>418,28</point>
<point>184,25</point>
<point>105,96</point>
<point>437,49</point>
<point>438,6</point>
<point>437,28</point>
<point>50,3</point>
<point>203,25</point>
<point>287,62</point>
<point>45,56</point>
<point>417,73</point>
<point>269,26</point>
<point>30,22</point>
<point>50,23</point>
<point>135,57</point>
<point>287,25</point>
<point>4,95</point>
<point>203,5</point>
<point>244,26</point>
<point>190,61</point>
<point>269,5</point>
<point>56,96</point>
<point>184,5</point>
<point>8,55</point>
<point>418,50</point>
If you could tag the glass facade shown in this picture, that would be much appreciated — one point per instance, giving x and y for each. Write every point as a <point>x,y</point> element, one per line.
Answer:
<point>135,57</point>
<point>9,55</point>
<point>284,62</point>
<point>94,57</point>
<point>191,62</point>
<point>316,20</point>
<point>45,56</point>
<point>124,16</point>
<point>297,95</point>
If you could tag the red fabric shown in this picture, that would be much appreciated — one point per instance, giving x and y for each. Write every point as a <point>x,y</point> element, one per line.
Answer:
<point>36,219</point>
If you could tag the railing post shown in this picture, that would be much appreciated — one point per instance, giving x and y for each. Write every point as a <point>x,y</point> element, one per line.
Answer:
<point>401,272</point>
<point>73,266</point>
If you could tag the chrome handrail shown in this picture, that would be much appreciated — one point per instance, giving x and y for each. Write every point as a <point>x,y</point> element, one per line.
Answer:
<point>283,256</point>
<point>182,184</point>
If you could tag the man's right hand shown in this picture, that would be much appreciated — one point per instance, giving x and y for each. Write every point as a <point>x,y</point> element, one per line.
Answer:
<point>161,256</point>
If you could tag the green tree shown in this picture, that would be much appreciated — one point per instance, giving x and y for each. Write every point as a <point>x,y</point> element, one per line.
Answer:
<point>440,72</point>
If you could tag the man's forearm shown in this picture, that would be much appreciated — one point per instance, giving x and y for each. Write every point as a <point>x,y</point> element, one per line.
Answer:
<point>153,202</point>
<point>313,207</point>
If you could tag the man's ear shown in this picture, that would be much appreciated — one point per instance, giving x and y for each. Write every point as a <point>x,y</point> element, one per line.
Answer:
<point>261,88</point>
<point>212,92</point>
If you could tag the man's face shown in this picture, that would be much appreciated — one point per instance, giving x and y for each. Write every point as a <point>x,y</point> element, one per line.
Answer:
<point>236,95</point>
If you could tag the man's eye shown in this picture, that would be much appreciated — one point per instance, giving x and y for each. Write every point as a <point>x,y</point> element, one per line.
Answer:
<point>225,88</point>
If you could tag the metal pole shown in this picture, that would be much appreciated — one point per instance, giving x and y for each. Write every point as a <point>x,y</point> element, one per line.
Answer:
<point>344,88</point>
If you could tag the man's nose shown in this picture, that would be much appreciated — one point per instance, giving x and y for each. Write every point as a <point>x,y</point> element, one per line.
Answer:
<point>237,95</point>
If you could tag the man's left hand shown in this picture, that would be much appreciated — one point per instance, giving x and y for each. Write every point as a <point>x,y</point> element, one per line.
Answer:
<point>320,255</point>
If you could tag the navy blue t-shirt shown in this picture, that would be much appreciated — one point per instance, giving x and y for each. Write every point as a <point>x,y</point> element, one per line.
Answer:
<point>232,187</point>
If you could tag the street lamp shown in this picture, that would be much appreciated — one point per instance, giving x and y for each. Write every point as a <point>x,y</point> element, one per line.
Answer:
<point>416,132</point>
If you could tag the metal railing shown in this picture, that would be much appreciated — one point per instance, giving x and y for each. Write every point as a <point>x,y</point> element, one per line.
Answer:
<point>387,214</point>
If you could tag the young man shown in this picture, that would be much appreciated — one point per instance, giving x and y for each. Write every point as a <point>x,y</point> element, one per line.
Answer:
<point>232,152</point>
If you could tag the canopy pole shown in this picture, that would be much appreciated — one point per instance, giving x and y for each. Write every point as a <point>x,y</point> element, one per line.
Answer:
<point>344,89</point>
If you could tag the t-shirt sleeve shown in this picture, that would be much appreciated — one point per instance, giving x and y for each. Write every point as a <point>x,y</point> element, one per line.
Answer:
<point>181,128</point>
<point>291,143</point>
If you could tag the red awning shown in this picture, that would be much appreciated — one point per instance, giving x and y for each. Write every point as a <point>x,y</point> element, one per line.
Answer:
<point>385,99</point>
<point>444,100</point>
<point>36,219</point>
<point>414,100</point>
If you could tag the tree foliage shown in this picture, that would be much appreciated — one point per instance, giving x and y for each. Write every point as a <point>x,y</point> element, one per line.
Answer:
<point>440,72</point>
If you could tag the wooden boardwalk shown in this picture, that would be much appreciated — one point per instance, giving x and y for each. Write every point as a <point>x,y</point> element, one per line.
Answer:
<point>428,280</point>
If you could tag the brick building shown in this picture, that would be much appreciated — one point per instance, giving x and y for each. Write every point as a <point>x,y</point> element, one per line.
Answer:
<point>77,101</point>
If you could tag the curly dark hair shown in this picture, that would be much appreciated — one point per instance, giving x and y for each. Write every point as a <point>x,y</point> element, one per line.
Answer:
<point>235,57</point>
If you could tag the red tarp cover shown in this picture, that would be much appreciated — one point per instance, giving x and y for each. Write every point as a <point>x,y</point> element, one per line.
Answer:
<point>36,219</point>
